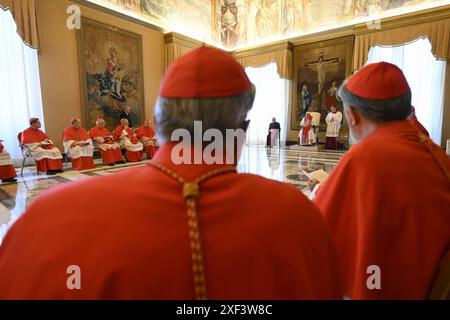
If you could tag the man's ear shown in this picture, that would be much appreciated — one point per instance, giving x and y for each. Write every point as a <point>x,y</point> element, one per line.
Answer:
<point>352,115</point>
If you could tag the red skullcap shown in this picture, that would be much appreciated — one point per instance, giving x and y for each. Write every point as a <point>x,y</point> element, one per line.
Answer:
<point>379,81</point>
<point>33,120</point>
<point>204,73</point>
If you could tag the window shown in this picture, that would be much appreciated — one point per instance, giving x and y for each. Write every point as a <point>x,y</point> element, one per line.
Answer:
<point>272,98</point>
<point>20,91</point>
<point>426,77</point>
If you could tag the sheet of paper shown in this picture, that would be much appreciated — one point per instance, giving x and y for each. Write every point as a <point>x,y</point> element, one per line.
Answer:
<point>319,175</point>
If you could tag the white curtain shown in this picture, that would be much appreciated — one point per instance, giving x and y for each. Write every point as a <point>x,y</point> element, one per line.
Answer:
<point>426,77</point>
<point>272,98</point>
<point>20,91</point>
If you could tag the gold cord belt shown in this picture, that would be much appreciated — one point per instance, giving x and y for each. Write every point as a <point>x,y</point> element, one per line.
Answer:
<point>191,193</point>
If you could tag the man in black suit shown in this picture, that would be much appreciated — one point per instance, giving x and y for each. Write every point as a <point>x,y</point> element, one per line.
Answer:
<point>273,125</point>
<point>127,114</point>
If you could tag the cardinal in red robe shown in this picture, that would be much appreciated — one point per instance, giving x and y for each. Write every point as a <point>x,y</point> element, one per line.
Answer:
<point>147,136</point>
<point>128,140</point>
<point>387,202</point>
<point>179,231</point>
<point>109,150</point>
<point>48,158</point>
<point>7,171</point>
<point>306,134</point>
<point>79,146</point>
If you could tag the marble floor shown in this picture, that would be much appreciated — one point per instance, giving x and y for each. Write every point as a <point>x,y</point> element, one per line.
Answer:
<point>278,164</point>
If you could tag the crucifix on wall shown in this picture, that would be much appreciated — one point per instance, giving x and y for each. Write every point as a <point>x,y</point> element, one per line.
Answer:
<point>321,67</point>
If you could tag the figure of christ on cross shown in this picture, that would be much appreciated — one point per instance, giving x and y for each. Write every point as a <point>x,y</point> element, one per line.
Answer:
<point>321,66</point>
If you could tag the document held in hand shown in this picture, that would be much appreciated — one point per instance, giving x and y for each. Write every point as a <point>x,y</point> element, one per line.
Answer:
<point>319,175</point>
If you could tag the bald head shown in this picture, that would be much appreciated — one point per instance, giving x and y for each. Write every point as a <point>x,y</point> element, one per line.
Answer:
<point>124,122</point>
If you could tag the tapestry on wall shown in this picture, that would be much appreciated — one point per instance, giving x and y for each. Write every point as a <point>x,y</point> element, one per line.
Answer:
<point>319,70</point>
<point>111,73</point>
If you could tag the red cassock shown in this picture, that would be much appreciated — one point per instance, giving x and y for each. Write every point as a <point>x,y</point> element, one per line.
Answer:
<point>81,157</point>
<point>147,132</point>
<point>305,131</point>
<point>44,162</point>
<point>387,204</point>
<point>131,144</point>
<point>415,122</point>
<point>109,154</point>
<point>261,239</point>
<point>6,171</point>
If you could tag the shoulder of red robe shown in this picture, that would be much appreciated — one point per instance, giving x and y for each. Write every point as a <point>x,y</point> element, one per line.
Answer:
<point>379,81</point>
<point>204,73</point>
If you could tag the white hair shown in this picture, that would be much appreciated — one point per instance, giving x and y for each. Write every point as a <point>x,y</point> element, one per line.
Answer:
<point>214,113</point>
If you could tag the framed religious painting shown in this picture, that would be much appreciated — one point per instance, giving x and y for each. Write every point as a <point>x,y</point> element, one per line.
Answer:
<point>111,73</point>
<point>319,70</point>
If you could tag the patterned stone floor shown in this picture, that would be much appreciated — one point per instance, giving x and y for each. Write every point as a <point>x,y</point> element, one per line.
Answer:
<point>278,164</point>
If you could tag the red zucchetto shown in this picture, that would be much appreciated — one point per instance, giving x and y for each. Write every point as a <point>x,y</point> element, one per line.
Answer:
<point>379,81</point>
<point>204,73</point>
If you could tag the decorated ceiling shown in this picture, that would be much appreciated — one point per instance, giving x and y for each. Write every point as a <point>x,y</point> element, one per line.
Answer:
<point>240,23</point>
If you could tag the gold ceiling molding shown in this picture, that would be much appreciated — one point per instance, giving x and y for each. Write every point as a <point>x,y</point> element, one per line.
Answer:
<point>433,24</point>
<point>429,15</point>
<point>323,36</point>
<point>269,47</point>
<point>115,13</point>
<point>173,37</point>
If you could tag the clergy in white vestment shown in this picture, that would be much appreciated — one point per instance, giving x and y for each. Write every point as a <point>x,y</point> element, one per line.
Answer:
<point>333,120</point>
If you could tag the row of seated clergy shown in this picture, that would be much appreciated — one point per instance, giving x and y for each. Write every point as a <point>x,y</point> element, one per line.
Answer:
<point>132,141</point>
<point>79,145</point>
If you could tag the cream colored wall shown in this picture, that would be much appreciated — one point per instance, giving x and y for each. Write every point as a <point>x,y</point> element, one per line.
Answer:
<point>59,67</point>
